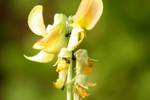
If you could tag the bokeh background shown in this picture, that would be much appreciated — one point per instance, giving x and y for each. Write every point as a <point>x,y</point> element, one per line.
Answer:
<point>120,41</point>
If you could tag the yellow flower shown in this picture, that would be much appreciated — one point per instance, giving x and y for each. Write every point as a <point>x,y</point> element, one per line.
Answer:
<point>62,69</point>
<point>53,36</point>
<point>35,21</point>
<point>64,58</point>
<point>88,13</point>
<point>86,17</point>
<point>63,37</point>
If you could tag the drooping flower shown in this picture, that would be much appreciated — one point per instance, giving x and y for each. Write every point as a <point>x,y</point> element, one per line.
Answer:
<point>64,61</point>
<point>84,67</point>
<point>53,36</point>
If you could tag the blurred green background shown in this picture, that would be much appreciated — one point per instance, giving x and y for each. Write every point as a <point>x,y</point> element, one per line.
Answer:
<point>120,41</point>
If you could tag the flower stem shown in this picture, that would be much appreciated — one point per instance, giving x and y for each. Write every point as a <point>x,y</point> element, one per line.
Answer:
<point>69,82</point>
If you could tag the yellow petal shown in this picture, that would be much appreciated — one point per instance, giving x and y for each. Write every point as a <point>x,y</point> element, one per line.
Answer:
<point>56,38</point>
<point>62,65</point>
<point>88,13</point>
<point>41,57</point>
<point>36,22</point>
<point>60,82</point>
<point>77,36</point>
<point>49,39</point>
<point>53,41</point>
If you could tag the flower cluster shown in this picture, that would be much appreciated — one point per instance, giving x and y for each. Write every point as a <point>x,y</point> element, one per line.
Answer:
<point>61,39</point>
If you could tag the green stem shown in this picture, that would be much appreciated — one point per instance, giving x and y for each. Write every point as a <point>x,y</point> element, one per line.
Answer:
<point>69,82</point>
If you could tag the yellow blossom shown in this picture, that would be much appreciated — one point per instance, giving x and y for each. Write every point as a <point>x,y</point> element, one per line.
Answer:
<point>64,58</point>
<point>53,36</point>
<point>61,39</point>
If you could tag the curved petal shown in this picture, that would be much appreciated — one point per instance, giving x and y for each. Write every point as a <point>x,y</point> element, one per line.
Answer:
<point>88,13</point>
<point>77,36</point>
<point>36,22</point>
<point>41,57</point>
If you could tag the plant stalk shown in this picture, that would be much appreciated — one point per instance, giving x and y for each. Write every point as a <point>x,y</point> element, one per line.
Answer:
<point>69,82</point>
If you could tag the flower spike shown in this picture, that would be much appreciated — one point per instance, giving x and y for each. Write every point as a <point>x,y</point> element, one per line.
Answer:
<point>88,13</point>
<point>36,22</point>
<point>62,38</point>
